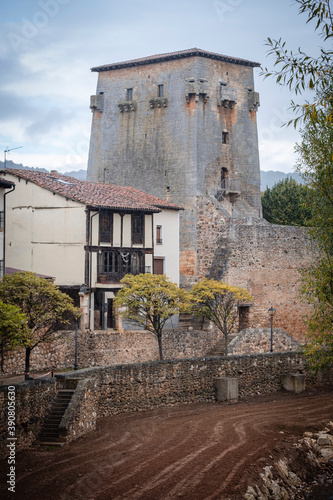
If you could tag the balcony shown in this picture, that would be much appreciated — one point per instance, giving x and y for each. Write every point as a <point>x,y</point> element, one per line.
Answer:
<point>116,273</point>
<point>230,186</point>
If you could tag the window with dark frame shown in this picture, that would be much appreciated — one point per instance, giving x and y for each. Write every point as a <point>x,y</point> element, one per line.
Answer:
<point>158,265</point>
<point>138,228</point>
<point>129,94</point>
<point>224,175</point>
<point>105,226</point>
<point>225,137</point>
<point>159,235</point>
<point>160,91</point>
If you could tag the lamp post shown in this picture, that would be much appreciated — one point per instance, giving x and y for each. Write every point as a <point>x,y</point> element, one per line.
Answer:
<point>271,311</point>
<point>75,362</point>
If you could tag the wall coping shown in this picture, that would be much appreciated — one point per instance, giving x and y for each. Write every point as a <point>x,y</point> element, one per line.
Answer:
<point>26,384</point>
<point>86,372</point>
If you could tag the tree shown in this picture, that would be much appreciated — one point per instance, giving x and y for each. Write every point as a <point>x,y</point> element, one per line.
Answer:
<point>149,300</point>
<point>316,166</point>
<point>13,329</point>
<point>46,308</point>
<point>301,72</point>
<point>287,203</point>
<point>217,302</point>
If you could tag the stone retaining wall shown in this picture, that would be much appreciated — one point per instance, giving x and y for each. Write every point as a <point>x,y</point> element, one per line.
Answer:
<point>33,400</point>
<point>102,348</point>
<point>103,391</point>
<point>258,340</point>
<point>142,386</point>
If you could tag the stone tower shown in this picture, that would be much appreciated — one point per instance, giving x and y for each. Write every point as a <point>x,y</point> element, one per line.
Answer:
<point>181,126</point>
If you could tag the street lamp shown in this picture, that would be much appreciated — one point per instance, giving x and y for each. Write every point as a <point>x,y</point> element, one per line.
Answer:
<point>271,311</point>
<point>75,361</point>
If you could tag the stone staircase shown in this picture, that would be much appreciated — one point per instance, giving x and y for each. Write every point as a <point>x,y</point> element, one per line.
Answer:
<point>50,433</point>
<point>219,348</point>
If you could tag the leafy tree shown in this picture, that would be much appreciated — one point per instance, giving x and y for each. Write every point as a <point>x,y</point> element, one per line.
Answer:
<point>217,302</point>
<point>13,329</point>
<point>300,72</point>
<point>46,308</point>
<point>287,203</point>
<point>149,300</point>
<point>316,166</point>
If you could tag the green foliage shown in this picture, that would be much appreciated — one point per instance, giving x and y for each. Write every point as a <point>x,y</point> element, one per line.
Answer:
<point>13,329</point>
<point>217,302</point>
<point>46,309</point>
<point>13,326</point>
<point>299,72</point>
<point>316,166</point>
<point>149,300</point>
<point>287,203</point>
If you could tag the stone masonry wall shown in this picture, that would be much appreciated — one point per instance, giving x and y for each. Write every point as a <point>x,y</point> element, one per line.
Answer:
<point>33,400</point>
<point>104,391</point>
<point>102,348</point>
<point>261,257</point>
<point>142,386</point>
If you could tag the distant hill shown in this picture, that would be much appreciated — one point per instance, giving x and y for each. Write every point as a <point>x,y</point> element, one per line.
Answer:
<point>77,174</point>
<point>268,179</point>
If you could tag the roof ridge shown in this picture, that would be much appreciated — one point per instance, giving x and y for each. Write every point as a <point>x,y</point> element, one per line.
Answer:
<point>95,195</point>
<point>174,55</point>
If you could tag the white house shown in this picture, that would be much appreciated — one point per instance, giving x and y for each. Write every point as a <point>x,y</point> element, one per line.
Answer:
<point>6,187</point>
<point>87,236</point>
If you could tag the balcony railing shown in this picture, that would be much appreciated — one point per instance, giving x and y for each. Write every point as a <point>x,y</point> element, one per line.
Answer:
<point>115,275</point>
<point>230,185</point>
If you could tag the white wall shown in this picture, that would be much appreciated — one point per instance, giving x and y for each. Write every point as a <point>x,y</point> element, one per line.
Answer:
<point>45,233</point>
<point>169,249</point>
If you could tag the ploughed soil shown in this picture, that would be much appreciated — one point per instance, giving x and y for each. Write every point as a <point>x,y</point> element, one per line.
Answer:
<point>192,452</point>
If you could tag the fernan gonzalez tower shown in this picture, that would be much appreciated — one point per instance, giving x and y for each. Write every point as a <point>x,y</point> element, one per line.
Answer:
<point>182,126</point>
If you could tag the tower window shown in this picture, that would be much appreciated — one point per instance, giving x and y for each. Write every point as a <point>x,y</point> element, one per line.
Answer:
<point>160,91</point>
<point>225,137</point>
<point>129,95</point>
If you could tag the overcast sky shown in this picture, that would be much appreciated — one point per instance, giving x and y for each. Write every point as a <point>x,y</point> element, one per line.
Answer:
<point>47,48</point>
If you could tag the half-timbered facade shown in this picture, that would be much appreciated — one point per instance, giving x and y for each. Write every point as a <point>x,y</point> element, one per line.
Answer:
<point>88,236</point>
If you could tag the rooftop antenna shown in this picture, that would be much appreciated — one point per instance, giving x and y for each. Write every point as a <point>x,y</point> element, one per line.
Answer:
<point>7,151</point>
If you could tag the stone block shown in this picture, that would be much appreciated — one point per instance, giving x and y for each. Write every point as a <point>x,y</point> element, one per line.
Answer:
<point>226,389</point>
<point>294,382</point>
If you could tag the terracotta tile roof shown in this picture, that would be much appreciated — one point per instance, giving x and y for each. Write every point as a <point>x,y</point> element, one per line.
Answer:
<point>92,194</point>
<point>174,55</point>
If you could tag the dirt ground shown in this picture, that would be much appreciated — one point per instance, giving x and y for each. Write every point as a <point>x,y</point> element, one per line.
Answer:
<point>191,452</point>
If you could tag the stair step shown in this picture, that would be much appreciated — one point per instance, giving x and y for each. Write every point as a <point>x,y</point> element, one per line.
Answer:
<point>50,443</point>
<point>50,433</point>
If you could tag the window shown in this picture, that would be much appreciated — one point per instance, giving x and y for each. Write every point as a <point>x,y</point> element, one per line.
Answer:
<point>105,226</point>
<point>129,95</point>
<point>137,228</point>
<point>158,265</point>
<point>225,137</point>
<point>2,219</point>
<point>160,91</point>
<point>224,174</point>
<point>159,240</point>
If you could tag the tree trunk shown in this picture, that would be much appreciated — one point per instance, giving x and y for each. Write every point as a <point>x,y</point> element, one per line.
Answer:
<point>159,338</point>
<point>226,337</point>
<point>2,356</point>
<point>27,364</point>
